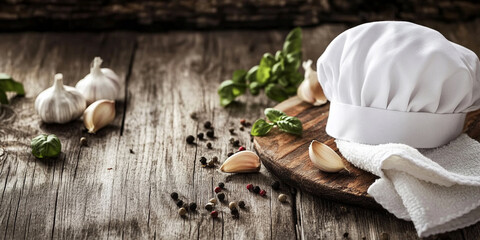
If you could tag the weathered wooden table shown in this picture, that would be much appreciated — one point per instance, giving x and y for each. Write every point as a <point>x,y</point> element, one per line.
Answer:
<point>119,186</point>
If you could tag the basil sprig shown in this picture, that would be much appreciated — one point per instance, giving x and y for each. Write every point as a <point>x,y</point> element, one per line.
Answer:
<point>46,146</point>
<point>277,118</point>
<point>7,84</point>
<point>277,74</point>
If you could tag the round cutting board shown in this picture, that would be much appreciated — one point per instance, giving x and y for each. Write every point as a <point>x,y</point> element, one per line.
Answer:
<point>286,156</point>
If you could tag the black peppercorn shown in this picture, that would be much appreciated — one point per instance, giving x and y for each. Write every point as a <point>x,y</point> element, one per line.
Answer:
<point>185,205</point>
<point>241,128</point>
<point>221,196</point>
<point>174,195</point>
<point>180,203</point>
<point>209,145</point>
<point>200,136</point>
<point>276,185</point>
<point>241,204</point>
<point>345,235</point>
<point>236,143</point>
<point>193,115</point>
<point>209,206</point>
<point>215,159</point>
<point>207,124</point>
<point>256,189</point>
<point>229,154</point>
<point>210,134</point>
<point>234,211</point>
<point>231,130</point>
<point>203,160</point>
<point>190,139</point>
<point>232,140</point>
<point>192,206</point>
<point>221,184</point>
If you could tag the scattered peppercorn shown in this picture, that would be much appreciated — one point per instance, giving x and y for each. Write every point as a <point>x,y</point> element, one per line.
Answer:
<point>221,196</point>
<point>218,189</point>
<point>192,206</point>
<point>131,151</point>
<point>200,136</point>
<point>276,185</point>
<point>182,211</point>
<point>180,203</point>
<point>241,204</point>
<point>232,205</point>
<point>211,163</point>
<point>207,124</point>
<point>234,212</point>
<point>282,198</point>
<point>214,214</point>
<point>256,189</point>
<point>215,159</point>
<point>213,200</point>
<point>193,115</point>
<point>243,121</point>
<point>232,140</point>
<point>209,145</point>
<point>251,139</point>
<point>174,195</point>
<point>231,130</point>
<point>236,143</point>
<point>190,139</point>
<point>241,149</point>
<point>221,184</point>
<point>345,235</point>
<point>263,192</point>
<point>241,128</point>
<point>229,154</point>
<point>209,206</point>
<point>83,141</point>
<point>250,187</point>
<point>203,160</point>
<point>185,205</point>
<point>210,133</point>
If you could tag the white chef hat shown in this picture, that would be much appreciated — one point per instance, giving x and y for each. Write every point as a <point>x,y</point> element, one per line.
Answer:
<point>398,82</point>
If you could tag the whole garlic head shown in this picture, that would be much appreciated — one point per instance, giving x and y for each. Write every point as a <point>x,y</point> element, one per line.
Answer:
<point>310,89</point>
<point>59,103</point>
<point>100,83</point>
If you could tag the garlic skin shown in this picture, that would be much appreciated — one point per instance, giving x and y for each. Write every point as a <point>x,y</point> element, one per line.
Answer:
<point>100,83</point>
<point>242,162</point>
<point>98,115</point>
<point>310,89</point>
<point>324,158</point>
<point>59,103</point>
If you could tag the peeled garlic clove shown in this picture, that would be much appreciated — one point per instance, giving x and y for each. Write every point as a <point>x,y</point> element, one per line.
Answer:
<point>324,158</point>
<point>242,162</point>
<point>59,103</point>
<point>100,83</point>
<point>310,89</point>
<point>98,115</point>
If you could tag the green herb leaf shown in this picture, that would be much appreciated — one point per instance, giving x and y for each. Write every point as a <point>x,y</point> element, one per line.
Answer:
<point>293,42</point>
<point>252,74</point>
<point>283,81</point>
<point>276,92</point>
<point>261,128</point>
<point>254,88</point>
<point>229,90</point>
<point>239,76</point>
<point>267,60</point>
<point>273,115</point>
<point>7,84</point>
<point>46,146</point>
<point>290,125</point>
<point>263,75</point>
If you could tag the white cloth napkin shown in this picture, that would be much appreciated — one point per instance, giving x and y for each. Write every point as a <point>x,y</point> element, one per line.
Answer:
<point>437,189</point>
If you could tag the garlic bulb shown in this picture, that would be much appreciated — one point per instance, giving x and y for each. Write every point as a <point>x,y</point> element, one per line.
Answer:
<point>59,103</point>
<point>310,89</point>
<point>100,83</point>
<point>242,162</point>
<point>324,158</point>
<point>98,115</point>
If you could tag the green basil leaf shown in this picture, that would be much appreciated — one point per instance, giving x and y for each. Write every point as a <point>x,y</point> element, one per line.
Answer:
<point>252,74</point>
<point>267,60</point>
<point>7,84</point>
<point>276,92</point>
<point>254,88</point>
<point>291,90</point>
<point>273,115</point>
<point>278,56</point>
<point>46,146</point>
<point>261,128</point>
<point>3,97</point>
<point>295,78</point>
<point>263,75</point>
<point>277,68</point>
<point>295,34</point>
<point>229,90</point>
<point>289,124</point>
<point>283,81</point>
<point>293,42</point>
<point>239,76</point>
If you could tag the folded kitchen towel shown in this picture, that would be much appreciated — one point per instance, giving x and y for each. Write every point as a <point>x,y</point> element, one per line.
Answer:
<point>437,189</point>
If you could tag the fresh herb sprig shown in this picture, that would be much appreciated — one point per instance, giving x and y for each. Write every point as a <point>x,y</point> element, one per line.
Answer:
<point>278,75</point>
<point>277,118</point>
<point>7,84</point>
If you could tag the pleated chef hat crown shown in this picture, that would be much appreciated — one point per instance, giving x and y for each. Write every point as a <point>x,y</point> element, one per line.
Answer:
<point>398,82</point>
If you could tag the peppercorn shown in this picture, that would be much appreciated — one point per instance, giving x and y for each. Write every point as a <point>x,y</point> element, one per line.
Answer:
<point>221,196</point>
<point>241,128</point>
<point>185,205</point>
<point>241,149</point>
<point>131,151</point>
<point>276,185</point>
<point>214,214</point>
<point>209,206</point>
<point>211,163</point>
<point>231,130</point>
<point>209,145</point>
<point>203,160</point>
<point>192,206</point>
<point>232,205</point>
<point>210,133</point>
<point>282,198</point>
<point>229,154</point>
<point>215,159</point>
<point>256,189</point>
<point>213,200</point>
<point>241,204</point>
<point>234,212</point>
<point>221,184</point>
<point>180,203</point>
<point>190,139</point>
<point>263,192</point>
<point>182,211</point>
<point>207,124</point>
<point>193,115</point>
<point>83,141</point>
<point>218,189</point>
<point>174,195</point>
<point>243,121</point>
<point>232,140</point>
<point>250,187</point>
<point>345,235</point>
<point>236,143</point>
<point>200,136</point>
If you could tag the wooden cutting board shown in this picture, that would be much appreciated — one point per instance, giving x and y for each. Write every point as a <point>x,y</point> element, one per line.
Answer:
<point>286,156</point>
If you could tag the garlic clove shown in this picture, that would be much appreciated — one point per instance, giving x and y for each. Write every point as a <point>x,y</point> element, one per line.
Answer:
<point>59,103</point>
<point>242,162</point>
<point>100,83</point>
<point>98,115</point>
<point>324,158</point>
<point>310,89</point>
